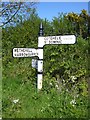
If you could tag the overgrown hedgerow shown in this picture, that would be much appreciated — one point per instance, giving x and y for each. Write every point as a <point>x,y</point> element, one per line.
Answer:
<point>65,83</point>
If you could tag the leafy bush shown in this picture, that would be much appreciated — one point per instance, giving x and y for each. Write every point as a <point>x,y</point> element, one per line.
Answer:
<point>65,84</point>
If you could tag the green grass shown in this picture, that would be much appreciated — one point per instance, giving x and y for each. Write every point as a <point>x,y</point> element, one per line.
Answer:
<point>42,104</point>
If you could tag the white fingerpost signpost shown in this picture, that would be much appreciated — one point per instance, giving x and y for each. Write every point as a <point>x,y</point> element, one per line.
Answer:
<point>32,52</point>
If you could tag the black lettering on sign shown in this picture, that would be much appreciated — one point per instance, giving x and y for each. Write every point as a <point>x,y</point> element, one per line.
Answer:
<point>55,42</point>
<point>46,38</point>
<point>49,42</point>
<point>26,54</point>
<point>16,50</point>
<point>59,38</point>
<point>21,50</point>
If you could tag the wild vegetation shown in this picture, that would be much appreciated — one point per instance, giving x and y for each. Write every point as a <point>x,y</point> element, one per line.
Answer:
<point>65,85</point>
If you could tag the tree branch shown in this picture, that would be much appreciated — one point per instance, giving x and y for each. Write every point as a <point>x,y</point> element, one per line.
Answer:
<point>12,15</point>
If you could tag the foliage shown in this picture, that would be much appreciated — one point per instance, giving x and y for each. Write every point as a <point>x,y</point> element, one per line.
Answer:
<point>65,85</point>
<point>32,104</point>
<point>13,13</point>
<point>80,22</point>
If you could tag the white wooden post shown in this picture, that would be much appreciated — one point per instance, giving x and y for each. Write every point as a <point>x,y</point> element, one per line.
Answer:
<point>40,61</point>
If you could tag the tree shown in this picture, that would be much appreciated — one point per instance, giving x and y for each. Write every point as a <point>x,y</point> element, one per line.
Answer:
<point>12,12</point>
<point>80,21</point>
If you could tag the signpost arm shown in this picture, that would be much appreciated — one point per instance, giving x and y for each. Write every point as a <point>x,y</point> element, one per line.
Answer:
<point>40,61</point>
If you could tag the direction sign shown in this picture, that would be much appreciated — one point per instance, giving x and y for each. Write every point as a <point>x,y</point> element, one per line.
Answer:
<point>66,39</point>
<point>25,52</point>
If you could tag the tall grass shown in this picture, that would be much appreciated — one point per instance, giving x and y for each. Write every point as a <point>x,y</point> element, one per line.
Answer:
<point>22,100</point>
